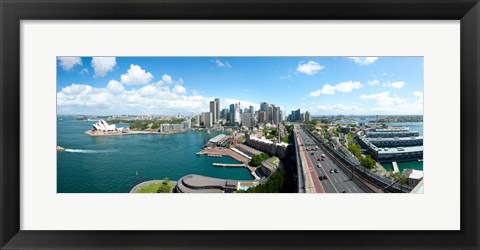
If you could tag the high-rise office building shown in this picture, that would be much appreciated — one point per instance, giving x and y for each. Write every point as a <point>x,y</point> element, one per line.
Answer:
<point>276,115</point>
<point>296,115</point>
<point>217,106</point>
<point>213,110</point>
<point>270,114</point>
<point>263,106</point>
<point>237,118</point>
<point>231,114</point>
<point>224,114</point>
<point>202,119</point>
<point>262,117</point>
<point>187,123</point>
<point>252,111</point>
<point>196,120</point>
<point>208,123</point>
<point>308,116</point>
<point>247,119</point>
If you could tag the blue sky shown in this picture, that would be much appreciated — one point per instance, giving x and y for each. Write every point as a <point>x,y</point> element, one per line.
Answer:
<point>172,85</point>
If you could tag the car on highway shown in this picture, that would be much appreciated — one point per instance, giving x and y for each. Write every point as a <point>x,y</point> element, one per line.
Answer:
<point>335,170</point>
<point>311,153</point>
<point>325,177</point>
<point>320,178</point>
<point>331,170</point>
<point>318,165</point>
<point>319,159</point>
<point>344,191</point>
<point>323,155</point>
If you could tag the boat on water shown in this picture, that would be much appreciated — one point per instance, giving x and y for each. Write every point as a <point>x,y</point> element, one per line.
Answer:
<point>420,160</point>
<point>60,148</point>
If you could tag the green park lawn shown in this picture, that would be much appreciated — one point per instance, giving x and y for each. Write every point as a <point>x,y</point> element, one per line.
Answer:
<point>152,188</point>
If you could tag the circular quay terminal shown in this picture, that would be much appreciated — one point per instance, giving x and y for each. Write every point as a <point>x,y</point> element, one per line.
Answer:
<point>173,125</point>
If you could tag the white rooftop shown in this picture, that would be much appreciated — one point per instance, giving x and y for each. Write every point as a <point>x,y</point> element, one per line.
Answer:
<point>416,174</point>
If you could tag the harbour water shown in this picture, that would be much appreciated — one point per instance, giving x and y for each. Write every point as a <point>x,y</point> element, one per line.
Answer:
<point>115,164</point>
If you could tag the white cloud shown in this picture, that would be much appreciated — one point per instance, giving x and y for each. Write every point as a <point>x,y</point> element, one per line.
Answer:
<point>397,85</point>
<point>374,83</point>
<point>309,68</point>
<point>418,94</point>
<point>344,87</point>
<point>383,99</point>
<point>363,61</point>
<point>221,64</point>
<point>115,87</point>
<point>179,90</point>
<point>418,104</point>
<point>136,76</point>
<point>68,62</point>
<point>387,104</point>
<point>154,98</point>
<point>168,79</point>
<point>103,65</point>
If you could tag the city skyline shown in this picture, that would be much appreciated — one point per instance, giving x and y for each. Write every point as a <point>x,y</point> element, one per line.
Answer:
<point>185,85</point>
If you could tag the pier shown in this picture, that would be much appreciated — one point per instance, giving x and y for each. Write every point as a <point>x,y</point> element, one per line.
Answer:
<point>224,152</point>
<point>395,167</point>
<point>228,165</point>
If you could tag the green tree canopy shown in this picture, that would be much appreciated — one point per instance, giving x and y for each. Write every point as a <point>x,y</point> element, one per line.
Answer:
<point>368,162</point>
<point>279,182</point>
<point>258,159</point>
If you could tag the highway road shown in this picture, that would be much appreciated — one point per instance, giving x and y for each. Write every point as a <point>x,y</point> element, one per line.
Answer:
<point>336,182</point>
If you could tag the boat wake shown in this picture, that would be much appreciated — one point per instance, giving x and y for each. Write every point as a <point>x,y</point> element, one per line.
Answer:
<point>88,151</point>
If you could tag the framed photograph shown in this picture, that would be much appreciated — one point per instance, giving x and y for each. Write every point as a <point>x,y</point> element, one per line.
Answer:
<point>245,125</point>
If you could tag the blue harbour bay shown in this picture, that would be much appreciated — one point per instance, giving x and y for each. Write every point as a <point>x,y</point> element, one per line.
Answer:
<point>115,164</point>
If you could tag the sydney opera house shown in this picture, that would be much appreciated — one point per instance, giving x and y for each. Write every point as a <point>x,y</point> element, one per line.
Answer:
<point>102,127</point>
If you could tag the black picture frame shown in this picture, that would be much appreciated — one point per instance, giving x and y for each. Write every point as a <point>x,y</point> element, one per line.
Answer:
<point>13,11</point>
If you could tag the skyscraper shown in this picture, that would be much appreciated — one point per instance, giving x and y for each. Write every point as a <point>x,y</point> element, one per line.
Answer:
<point>231,114</point>
<point>208,119</point>
<point>213,110</point>
<point>307,116</point>
<point>263,106</point>
<point>217,106</point>
<point>224,114</point>
<point>270,114</point>
<point>252,111</point>
<point>262,117</point>
<point>247,119</point>
<point>276,115</point>
<point>296,115</point>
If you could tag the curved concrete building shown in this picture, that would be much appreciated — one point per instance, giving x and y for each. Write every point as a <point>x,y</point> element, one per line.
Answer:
<point>202,184</point>
<point>102,125</point>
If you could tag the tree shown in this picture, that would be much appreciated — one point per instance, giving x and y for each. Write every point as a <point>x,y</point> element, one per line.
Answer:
<point>164,188</point>
<point>166,180</point>
<point>355,149</point>
<point>258,159</point>
<point>397,176</point>
<point>368,162</point>
<point>278,182</point>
